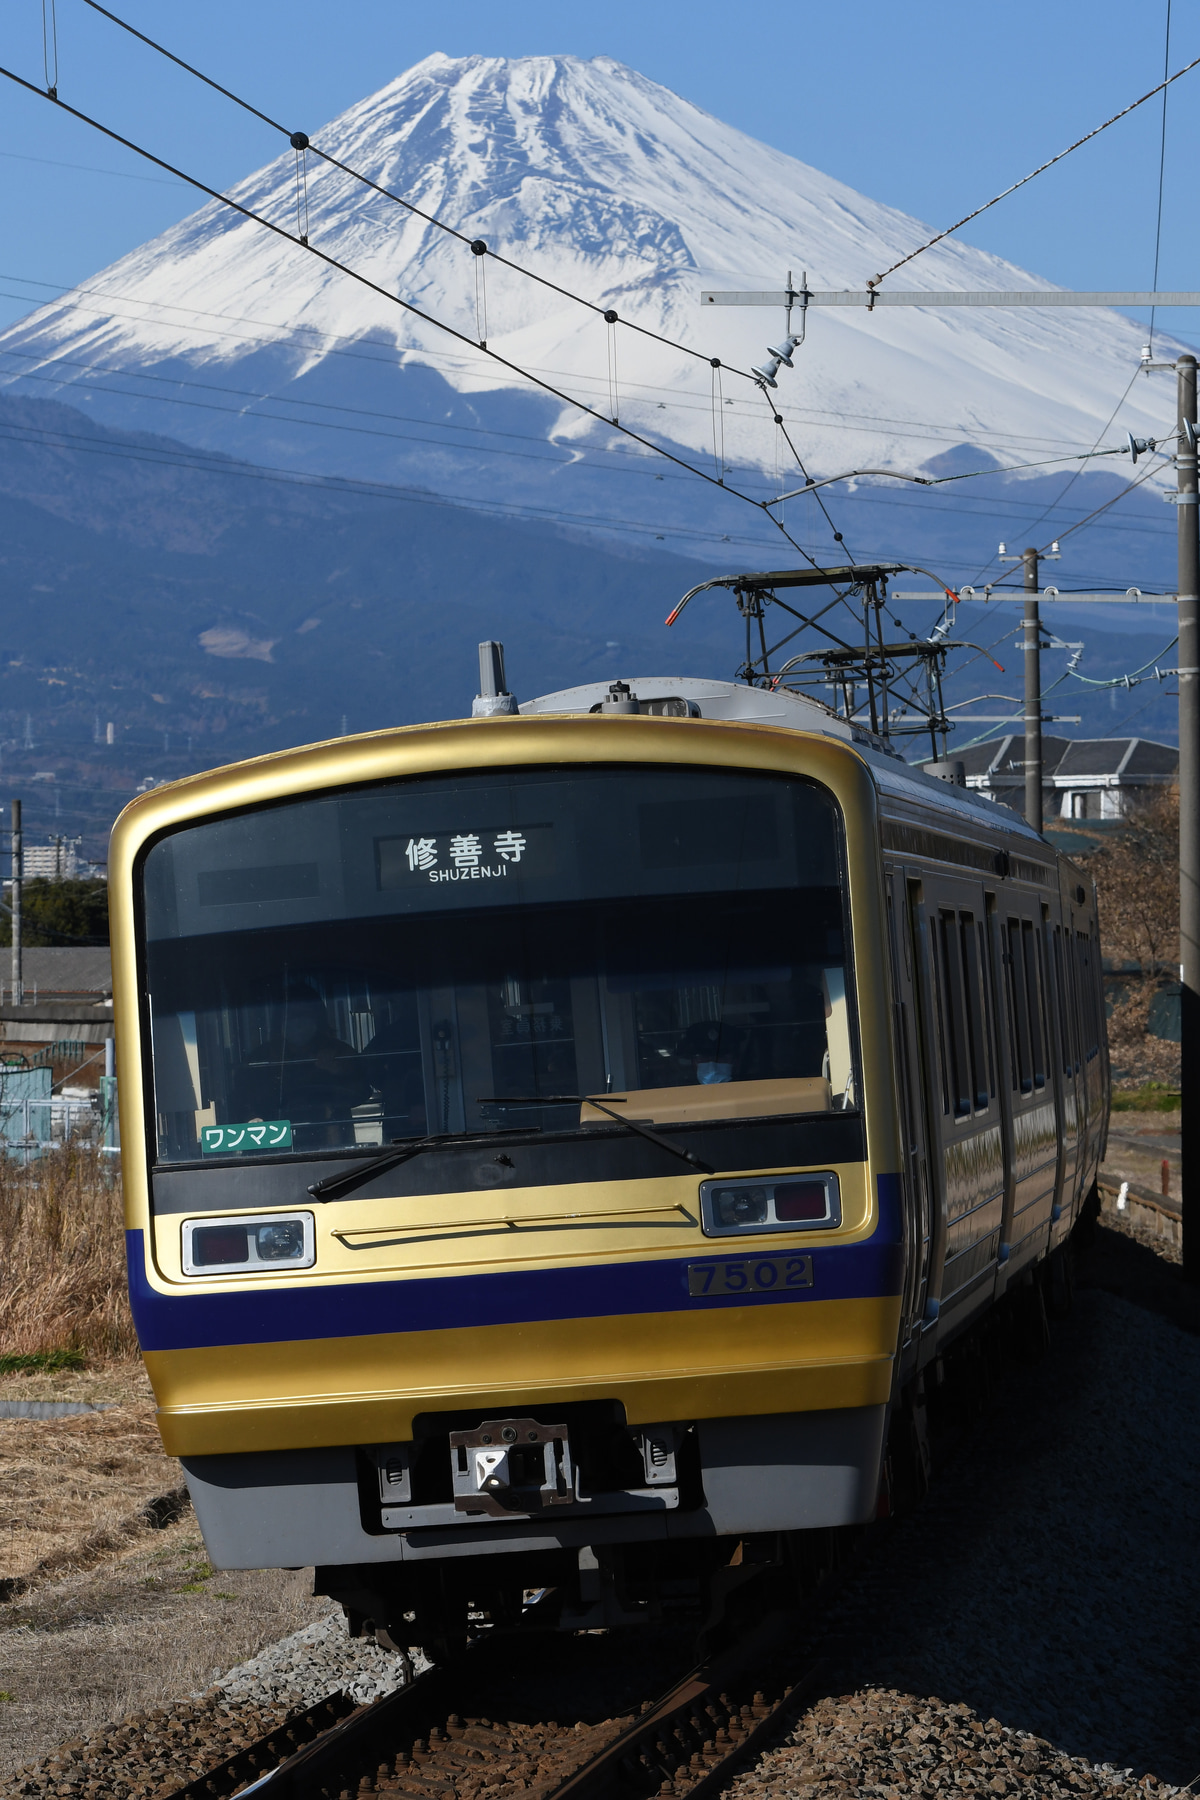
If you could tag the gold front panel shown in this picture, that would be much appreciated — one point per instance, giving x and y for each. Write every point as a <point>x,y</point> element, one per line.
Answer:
<point>677,1365</point>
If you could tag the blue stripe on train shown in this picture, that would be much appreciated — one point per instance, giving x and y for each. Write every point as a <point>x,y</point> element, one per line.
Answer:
<point>182,1321</point>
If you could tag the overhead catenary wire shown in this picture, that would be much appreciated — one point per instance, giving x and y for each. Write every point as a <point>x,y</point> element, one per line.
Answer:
<point>619,452</point>
<point>524,374</point>
<point>1025,179</point>
<point>50,47</point>
<point>353,346</point>
<point>399,199</point>
<point>1138,481</point>
<point>333,262</point>
<point>1134,677</point>
<point>220,465</point>
<point>477,245</point>
<point>45,375</point>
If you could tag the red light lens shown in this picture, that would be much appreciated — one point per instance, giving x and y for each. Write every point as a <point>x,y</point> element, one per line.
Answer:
<point>801,1200</point>
<point>212,1244</point>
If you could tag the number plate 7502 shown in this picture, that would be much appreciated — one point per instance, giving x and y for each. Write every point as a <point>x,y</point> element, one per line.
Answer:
<point>758,1275</point>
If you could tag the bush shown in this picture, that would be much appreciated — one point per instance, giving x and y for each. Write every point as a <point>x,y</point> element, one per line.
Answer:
<point>60,912</point>
<point>62,1252</point>
<point>1153,1097</point>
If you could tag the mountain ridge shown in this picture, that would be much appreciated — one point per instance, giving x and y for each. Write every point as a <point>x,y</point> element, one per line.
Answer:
<point>624,192</point>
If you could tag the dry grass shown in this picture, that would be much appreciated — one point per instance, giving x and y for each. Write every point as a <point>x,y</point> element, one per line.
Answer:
<point>71,1489</point>
<point>106,1615</point>
<point>62,1250</point>
<point>143,1629</point>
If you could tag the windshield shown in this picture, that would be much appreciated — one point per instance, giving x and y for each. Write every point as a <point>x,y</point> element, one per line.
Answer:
<point>428,956</point>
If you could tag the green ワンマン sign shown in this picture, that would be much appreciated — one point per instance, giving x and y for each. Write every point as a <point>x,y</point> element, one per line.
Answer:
<point>256,1134</point>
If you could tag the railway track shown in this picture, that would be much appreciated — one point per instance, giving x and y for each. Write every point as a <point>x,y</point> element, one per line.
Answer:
<point>484,1725</point>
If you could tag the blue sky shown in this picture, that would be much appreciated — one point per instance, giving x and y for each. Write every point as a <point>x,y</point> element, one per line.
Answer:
<point>929,106</point>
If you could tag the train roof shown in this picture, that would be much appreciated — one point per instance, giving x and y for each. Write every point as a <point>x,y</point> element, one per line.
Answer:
<point>737,702</point>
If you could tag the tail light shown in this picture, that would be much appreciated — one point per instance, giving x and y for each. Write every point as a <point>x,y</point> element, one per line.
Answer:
<point>249,1245</point>
<point>778,1203</point>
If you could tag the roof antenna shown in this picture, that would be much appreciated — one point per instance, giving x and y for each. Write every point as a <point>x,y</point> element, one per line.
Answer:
<point>493,698</point>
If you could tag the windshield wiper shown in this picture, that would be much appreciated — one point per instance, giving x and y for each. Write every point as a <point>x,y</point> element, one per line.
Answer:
<point>402,1151</point>
<point>598,1102</point>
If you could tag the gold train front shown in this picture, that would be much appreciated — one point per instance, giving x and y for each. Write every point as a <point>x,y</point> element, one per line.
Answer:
<point>555,1143</point>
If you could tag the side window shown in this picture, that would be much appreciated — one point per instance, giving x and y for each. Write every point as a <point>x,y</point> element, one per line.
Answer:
<point>949,1009</point>
<point>1060,998</point>
<point>1071,966</point>
<point>961,1015</point>
<point>1087,986</point>
<point>1031,949</point>
<point>971,941</point>
<point>1018,1009</point>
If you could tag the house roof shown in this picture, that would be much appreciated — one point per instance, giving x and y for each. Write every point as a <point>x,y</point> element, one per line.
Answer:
<point>78,969</point>
<point>1003,758</point>
<point>1128,757</point>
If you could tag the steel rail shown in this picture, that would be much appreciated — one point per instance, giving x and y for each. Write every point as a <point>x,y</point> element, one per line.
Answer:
<point>694,1737</point>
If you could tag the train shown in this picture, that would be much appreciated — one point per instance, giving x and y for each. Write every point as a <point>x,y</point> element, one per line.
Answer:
<point>558,1144</point>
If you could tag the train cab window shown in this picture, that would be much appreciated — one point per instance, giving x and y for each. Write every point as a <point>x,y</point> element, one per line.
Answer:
<point>474,952</point>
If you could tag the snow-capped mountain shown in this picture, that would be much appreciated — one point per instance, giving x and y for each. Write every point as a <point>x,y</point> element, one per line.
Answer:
<point>227,336</point>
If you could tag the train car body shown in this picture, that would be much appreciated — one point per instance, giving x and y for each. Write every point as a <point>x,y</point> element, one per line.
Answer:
<point>553,1143</point>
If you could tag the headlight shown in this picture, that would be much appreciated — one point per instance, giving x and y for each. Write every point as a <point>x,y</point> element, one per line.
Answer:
<point>782,1203</point>
<point>245,1246</point>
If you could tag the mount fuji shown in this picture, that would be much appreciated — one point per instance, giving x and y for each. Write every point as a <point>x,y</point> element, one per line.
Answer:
<point>232,340</point>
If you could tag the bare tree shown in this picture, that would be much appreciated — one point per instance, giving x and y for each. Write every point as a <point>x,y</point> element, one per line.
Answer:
<point>1137,874</point>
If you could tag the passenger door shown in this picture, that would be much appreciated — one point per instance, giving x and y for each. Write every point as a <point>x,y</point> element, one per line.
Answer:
<point>1031,1084</point>
<point>919,1202</point>
<point>966,1099</point>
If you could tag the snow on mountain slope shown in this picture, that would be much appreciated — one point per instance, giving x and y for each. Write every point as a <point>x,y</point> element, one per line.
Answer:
<point>618,189</point>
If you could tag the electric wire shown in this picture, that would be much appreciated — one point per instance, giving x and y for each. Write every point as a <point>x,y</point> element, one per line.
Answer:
<point>399,200</point>
<point>1137,482</point>
<point>52,162</point>
<point>302,143</point>
<point>1025,179</point>
<point>1130,716</point>
<point>333,262</point>
<point>1130,680</point>
<point>610,318</point>
<point>50,47</point>
<point>336,344</point>
<point>70,383</point>
<point>237,412</point>
<point>1162,169</point>
<point>220,465</point>
<point>1152,468</point>
<point>591,456</point>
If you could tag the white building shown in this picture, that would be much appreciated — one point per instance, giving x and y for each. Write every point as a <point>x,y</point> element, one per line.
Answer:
<point>1082,778</point>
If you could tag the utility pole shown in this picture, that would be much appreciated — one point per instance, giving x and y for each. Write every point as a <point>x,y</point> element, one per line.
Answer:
<point>1033,693</point>
<point>1031,560</point>
<point>18,985</point>
<point>1188,510</point>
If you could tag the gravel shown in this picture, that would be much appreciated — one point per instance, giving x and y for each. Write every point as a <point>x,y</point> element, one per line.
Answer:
<point>147,1754</point>
<point>1032,1628</point>
<point>314,1662</point>
<point>1042,1607</point>
<point>887,1744</point>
